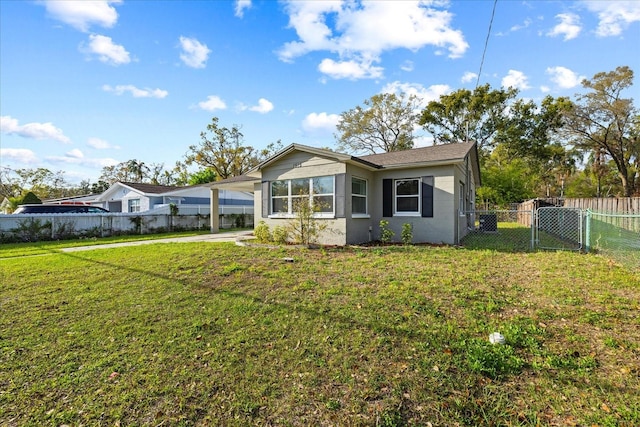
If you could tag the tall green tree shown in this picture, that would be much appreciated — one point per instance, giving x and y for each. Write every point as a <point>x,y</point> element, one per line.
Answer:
<point>466,115</point>
<point>385,123</point>
<point>602,121</point>
<point>222,149</point>
<point>203,176</point>
<point>532,131</point>
<point>137,170</point>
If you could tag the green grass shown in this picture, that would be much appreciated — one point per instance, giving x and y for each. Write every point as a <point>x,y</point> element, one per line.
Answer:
<point>216,334</point>
<point>39,248</point>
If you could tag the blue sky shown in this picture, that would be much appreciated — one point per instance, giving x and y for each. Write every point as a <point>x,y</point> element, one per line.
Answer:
<point>87,84</point>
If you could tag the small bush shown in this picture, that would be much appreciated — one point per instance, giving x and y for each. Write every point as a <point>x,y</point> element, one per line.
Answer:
<point>33,230</point>
<point>262,233</point>
<point>280,234</point>
<point>407,233</point>
<point>386,234</point>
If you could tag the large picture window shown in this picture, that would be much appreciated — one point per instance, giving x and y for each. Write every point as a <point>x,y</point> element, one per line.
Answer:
<point>358,196</point>
<point>407,196</point>
<point>319,191</point>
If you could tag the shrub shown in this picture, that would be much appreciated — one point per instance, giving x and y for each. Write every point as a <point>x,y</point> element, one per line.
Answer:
<point>261,231</point>
<point>280,234</point>
<point>386,234</point>
<point>407,233</point>
<point>33,230</point>
<point>305,228</point>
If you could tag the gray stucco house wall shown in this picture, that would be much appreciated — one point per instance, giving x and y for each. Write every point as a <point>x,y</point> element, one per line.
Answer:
<point>431,188</point>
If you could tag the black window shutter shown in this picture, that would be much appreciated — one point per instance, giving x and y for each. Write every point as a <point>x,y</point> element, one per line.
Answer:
<point>387,198</point>
<point>427,196</point>
<point>340,195</point>
<point>265,199</point>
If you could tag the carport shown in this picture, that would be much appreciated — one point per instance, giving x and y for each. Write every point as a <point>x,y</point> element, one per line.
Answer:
<point>238,183</point>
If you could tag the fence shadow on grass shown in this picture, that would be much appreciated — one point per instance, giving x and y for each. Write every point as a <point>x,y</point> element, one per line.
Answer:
<point>508,237</point>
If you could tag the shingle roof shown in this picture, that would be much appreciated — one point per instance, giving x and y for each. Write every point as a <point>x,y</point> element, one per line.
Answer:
<point>436,153</point>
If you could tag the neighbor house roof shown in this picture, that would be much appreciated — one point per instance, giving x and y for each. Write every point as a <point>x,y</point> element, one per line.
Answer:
<point>150,188</point>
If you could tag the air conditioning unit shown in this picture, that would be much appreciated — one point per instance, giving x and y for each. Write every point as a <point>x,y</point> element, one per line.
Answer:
<point>488,223</point>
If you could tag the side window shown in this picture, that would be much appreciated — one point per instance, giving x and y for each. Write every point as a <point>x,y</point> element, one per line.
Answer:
<point>358,196</point>
<point>134,205</point>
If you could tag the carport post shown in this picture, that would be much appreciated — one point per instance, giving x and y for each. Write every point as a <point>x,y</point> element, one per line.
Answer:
<point>214,216</point>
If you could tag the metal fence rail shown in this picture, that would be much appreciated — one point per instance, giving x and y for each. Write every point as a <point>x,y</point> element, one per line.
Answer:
<point>615,236</point>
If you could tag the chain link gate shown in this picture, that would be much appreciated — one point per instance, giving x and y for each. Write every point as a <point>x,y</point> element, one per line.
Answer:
<point>559,228</point>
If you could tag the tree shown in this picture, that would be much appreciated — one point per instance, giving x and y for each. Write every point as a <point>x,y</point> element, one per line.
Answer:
<point>466,115</point>
<point>385,123</point>
<point>532,131</point>
<point>137,170</point>
<point>222,150</point>
<point>202,176</point>
<point>99,187</point>
<point>603,122</point>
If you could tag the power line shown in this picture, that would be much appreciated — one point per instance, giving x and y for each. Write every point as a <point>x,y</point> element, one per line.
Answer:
<point>486,42</point>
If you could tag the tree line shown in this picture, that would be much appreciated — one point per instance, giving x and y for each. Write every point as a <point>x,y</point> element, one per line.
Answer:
<point>588,146</point>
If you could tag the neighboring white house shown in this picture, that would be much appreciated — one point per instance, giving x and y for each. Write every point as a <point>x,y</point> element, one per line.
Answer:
<point>136,197</point>
<point>431,188</point>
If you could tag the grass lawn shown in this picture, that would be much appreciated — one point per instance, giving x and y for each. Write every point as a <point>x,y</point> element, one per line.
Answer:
<point>216,334</point>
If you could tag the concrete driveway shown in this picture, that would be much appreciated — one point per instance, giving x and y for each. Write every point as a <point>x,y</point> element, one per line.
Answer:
<point>231,236</point>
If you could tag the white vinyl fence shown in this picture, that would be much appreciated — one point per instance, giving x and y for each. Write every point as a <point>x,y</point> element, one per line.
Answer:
<point>36,227</point>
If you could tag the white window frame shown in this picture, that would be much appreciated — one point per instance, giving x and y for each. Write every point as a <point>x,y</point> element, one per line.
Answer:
<point>364,196</point>
<point>289,197</point>
<point>133,207</point>
<point>396,196</point>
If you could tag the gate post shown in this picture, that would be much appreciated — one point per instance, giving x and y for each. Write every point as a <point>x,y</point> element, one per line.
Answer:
<point>533,228</point>
<point>587,230</point>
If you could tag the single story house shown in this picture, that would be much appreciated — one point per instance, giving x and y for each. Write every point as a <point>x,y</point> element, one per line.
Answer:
<point>431,188</point>
<point>137,197</point>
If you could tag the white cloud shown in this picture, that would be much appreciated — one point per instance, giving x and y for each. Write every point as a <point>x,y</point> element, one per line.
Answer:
<point>135,92</point>
<point>515,79</point>
<point>518,27</point>
<point>72,158</point>
<point>468,77</point>
<point>212,103</point>
<point>75,153</point>
<point>407,66</point>
<point>82,14</point>
<point>424,95</point>
<point>106,51</point>
<point>241,5</point>
<point>614,15</point>
<point>19,155</point>
<point>10,126</point>
<point>263,107</point>
<point>100,144</point>
<point>349,69</point>
<point>569,26</point>
<point>564,77</point>
<point>194,54</point>
<point>545,89</point>
<point>359,32</point>
<point>320,123</point>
